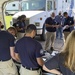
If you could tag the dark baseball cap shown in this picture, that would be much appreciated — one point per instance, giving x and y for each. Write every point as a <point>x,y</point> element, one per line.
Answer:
<point>31,26</point>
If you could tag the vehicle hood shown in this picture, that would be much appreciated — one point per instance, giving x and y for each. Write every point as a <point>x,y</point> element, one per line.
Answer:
<point>27,13</point>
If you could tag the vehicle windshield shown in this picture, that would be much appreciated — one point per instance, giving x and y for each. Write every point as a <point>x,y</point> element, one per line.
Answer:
<point>29,5</point>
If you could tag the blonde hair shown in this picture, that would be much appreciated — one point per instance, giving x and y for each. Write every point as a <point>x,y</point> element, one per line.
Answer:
<point>12,29</point>
<point>69,51</point>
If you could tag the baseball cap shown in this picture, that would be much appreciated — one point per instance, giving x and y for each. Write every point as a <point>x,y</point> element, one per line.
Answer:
<point>31,26</point>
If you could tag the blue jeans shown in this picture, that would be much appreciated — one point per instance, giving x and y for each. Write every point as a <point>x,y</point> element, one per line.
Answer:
<point>59,33</point>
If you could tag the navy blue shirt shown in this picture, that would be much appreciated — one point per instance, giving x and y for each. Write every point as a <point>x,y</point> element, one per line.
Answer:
<point>50,21</point>
<point>57,62</point>
<point>59,19</point>
<point>28,50</point>
<point>69,21</point>
<point>20,25</point>
<point>6,41</point>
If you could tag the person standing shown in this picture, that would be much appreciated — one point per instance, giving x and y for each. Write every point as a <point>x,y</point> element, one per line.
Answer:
<point>7,66</point>
<point>12,30</point>
<point>68,25</point>
<point>29,52</point>
<point>51,31</point>
<point>60,20</point>
<point>20,26</point>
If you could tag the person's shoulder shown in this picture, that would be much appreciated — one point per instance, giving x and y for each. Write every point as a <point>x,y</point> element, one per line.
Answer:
<point>58,56</point>
<point>35,41</point>
<point>5,32</point>
<point>48,18</point>
<point>56,16</point>
<point>70,17</point>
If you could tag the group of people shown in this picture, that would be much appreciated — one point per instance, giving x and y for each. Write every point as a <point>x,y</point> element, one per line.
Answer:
<point>28,51</point>
<point>56,25</point>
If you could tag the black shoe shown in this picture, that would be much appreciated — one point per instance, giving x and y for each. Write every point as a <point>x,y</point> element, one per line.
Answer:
<point>49,51</point>
<point>51,48</point>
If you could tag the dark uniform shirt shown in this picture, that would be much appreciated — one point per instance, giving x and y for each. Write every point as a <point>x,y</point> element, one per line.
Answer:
<point>20,25</point>
<point>50,21</point>
<point>59,19</point>
<point>6,41</point>
<point>28,50</point>
<point>69,21</point>
<point>57,62</point>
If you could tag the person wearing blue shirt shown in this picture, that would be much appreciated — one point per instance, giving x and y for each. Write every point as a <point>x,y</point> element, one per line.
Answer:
<point>28,51</point>
<point>20,25</point>
<point>7,66</point>
<point>51,31</point>
<point>68,24</point>
<point>60,20</point>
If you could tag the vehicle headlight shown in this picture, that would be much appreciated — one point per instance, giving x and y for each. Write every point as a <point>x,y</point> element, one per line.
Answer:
<point>37,24</point>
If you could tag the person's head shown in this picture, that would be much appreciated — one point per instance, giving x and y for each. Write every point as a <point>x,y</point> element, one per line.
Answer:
<point>12,31</point>
<point>23,17</point>
<point>65,14</point>
<point>1,25</point>
<point>69,51</point>
<point>53,15</point>
<point>60,13</point>
<point>31,30</point>
<point>19,18</point>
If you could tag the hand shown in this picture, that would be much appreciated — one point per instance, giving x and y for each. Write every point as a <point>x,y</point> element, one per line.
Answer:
<point>67,26</point>
<point>55,26</point>
<point>60,25</point>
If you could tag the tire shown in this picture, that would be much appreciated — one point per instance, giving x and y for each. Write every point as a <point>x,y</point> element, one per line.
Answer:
<point>42,36</point>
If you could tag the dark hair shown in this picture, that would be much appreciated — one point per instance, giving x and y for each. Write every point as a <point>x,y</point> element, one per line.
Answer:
<point>19,18</point>
<point>30,28</point>
<point>65,13</point>
<point>23,16</point>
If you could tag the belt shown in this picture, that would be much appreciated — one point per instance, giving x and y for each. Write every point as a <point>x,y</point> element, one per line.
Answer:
<point>31,68</point>
<point>4,60</point>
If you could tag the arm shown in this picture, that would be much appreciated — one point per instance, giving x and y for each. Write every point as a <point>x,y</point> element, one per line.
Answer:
<point>54,71</point>
<point>17,57</point>
<point>18,29</point>
<point>47,25</point>
<point>72,21</point>
<point>40,61</point>
<point>12,53</point>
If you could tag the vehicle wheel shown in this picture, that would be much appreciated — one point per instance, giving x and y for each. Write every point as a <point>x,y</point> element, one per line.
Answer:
<point>43,37</point>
